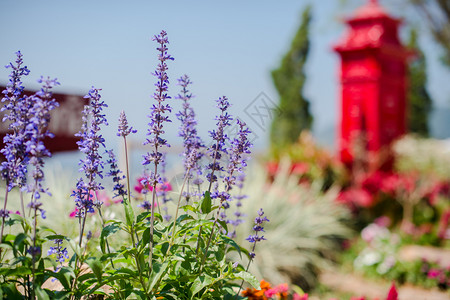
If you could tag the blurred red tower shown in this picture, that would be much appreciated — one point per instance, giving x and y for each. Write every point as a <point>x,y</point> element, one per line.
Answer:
<point>373,84</point>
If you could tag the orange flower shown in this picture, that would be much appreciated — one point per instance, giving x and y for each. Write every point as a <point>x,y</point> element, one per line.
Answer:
<point>254,294</point>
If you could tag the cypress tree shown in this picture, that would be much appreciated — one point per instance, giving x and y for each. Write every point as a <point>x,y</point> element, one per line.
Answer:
<point>420,102</point>
<point>289,79</point>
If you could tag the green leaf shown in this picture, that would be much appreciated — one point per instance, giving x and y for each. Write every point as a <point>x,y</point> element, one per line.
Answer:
<point>188,207</point>
<point>157,273</point>
<point>10,291</point>
<point>20,238</point>
<point>9,238</point>
<point>41,295</point>
<point>96,267</point>
<point>206,203</point>
<point>14,219</point>
<point>233,244</point>
<point>246,276</point>
<point>199,283</point>
<point>164,247</point>
<point>129,213</point>
<point>184,217</point>
<point>223,224</point>
<point>108,256</point>
<point>127,272</point>
<point>145,238</point>
<point>55,237</point>
<point>219,254</point>
<point>64,275</point>
<point>107,231</point>
<point>143,216</point>
<point>19,271</point>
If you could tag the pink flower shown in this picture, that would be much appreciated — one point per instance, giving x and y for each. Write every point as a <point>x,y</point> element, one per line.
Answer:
<point>392,295</point>
<point>73,213</point>
<point>142,186</point>
<point>299,168</point>
<point>282,288</point>
<point>270,292</point>
<point>164,187</point>
<point>382,221</point>
<point>298,297</point>
<point>356,196</point>
<point>433,273</point>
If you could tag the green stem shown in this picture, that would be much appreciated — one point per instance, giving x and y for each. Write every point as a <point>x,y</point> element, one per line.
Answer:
<point>132,231</point>
<point>178,207</point>
<point>106,239</point>
<point>22,204</point>
<point>246,270</point>
<point>33,259</point>
<point>3,217</point>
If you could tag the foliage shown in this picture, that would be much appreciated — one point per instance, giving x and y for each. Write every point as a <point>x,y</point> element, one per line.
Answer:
<point>289,80</point>
<point>377,255</point>
<point>310,162</point>
<point>429,157</point>
<point>305,230</point>
<point>419,100</point>
<point>414,194</point>
<point>284,292</point>
<point>146,255</point>
<point>437,14</point>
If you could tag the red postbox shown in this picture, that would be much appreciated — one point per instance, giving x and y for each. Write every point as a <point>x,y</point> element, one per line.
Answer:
<point>372,82</point>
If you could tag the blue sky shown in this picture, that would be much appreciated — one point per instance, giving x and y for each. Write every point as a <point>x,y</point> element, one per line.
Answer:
<point>227,48</point>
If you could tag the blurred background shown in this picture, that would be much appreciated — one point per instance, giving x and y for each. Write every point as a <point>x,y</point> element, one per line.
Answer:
<point>364,218</point>
<point>226,48</point>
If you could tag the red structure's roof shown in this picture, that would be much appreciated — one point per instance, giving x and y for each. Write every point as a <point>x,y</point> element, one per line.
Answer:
<point>370,11</point>
<point>371,27</point>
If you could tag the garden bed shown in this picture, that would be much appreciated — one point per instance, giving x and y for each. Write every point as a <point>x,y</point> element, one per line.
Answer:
<point>358,285</point>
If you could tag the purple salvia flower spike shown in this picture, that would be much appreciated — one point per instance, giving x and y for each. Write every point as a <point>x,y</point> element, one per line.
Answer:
<point>217,148</point>
<point>240,146</point>
<point>36,131</point>
<point>16,107</point>
<point>116,174</point>
<point>124,130</point>
<point>258,227</point>
<point>188,130</point>
<point>89,144</point>
<point>61,254</point>
<point>157,112</point>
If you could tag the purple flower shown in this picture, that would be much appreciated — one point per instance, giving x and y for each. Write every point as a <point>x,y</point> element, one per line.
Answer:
<point>219,137</point>
<point>4,214</point>
<point>157,111</point>
<point>83,200</point>
<point>116,174</point>
<point>258,227</point>
<point>188,131</point>
<point>60,252</point>
<point>36,205</point>
<point>239,147</point>
<point>145,205</point>
<point>124,130</point>
<point>34,251</point>
<point>17,105</point>
<point>36,130</point>
<point>89,144</point>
